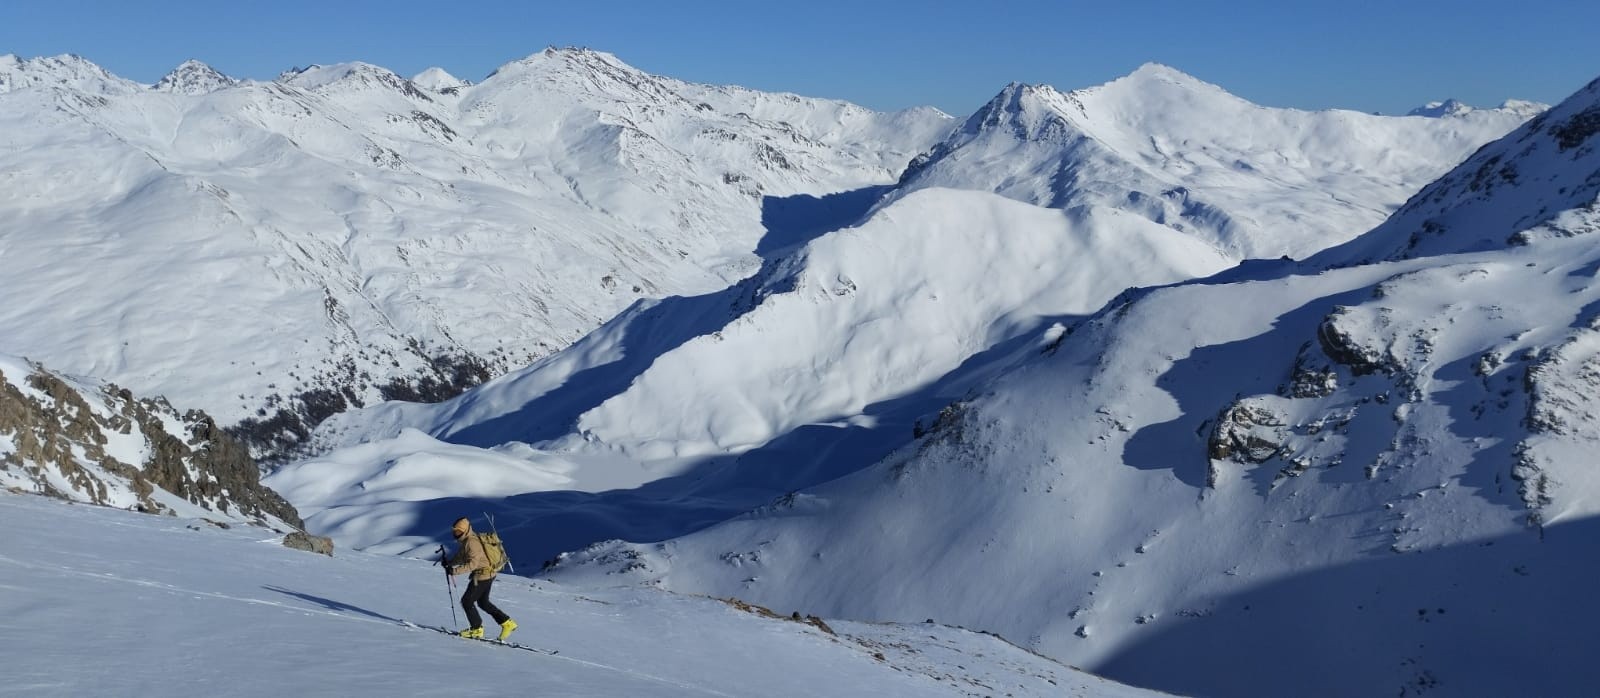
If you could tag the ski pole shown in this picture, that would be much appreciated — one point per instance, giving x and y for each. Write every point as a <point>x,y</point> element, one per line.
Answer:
<point>450,587</point>
<point>496,531</point>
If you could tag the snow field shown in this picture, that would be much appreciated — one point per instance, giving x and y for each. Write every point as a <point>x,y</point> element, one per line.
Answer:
<point>113,602</point>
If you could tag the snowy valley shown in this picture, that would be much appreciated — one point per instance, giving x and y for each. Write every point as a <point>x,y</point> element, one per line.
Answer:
<point>1198,395</point>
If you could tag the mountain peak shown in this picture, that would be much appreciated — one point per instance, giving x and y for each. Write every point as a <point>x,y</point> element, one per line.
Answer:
<point>569,57</point>
<point>1161,71</point>
<point>1159,77</point>
<point>1028,111</point>
<point>193,77</point>
<point>1454,107</point>
<point>439,80</point>
<point>354,75</point>
<point>1436,110</point>
<point>579,53</point>
<point>577,70</point>
<point>1523,108</point>
<point>65,70</point>
<point>317,75</point>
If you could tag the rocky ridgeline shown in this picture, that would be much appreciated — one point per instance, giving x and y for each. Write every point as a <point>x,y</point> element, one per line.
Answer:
<point>98,443</point>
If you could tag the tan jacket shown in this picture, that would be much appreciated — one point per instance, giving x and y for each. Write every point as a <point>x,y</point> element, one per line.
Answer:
<point>470,557</point>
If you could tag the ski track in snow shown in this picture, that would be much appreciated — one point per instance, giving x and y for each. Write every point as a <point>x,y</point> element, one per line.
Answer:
<point>114,602</point>
<point>197,593</point>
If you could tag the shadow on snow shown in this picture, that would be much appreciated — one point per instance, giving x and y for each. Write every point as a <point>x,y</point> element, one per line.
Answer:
<point>539,525</point>
<point>653,328</point>
<point>330,604</point>
<point>1505,616</point>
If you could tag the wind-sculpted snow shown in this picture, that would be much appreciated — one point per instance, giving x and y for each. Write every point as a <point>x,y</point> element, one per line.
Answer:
<point>278,251</point>
<point>1254,182</point>
<point>1382,471</point>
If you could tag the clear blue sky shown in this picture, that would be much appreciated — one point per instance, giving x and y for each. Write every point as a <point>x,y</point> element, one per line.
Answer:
<point>1372,56</point>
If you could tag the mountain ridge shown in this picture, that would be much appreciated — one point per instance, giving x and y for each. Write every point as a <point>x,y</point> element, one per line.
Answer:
<point>193,77</point>
<point>1187,154</point>
<point>393,190</point>
<point>1362,458</point>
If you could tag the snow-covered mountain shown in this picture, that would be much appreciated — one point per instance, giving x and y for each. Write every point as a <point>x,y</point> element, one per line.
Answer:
<point>1454,107</point>
<point>1435,110</point>
<point>681,412</point>
<point>992,394</point>
<point>194,78</point>
<point>712,404</point>
<point>1374,477</point>
<point>64,74</point>
<point>278,251</point>
<point>1255,182</point>
<point>92,442</point>
<point>1535,183</point>
<point>107,602</point>
<point>438,80</point>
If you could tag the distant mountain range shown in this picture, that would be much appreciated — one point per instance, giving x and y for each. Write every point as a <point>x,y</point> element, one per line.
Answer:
<point>279,251</point>
<point>875,309</point>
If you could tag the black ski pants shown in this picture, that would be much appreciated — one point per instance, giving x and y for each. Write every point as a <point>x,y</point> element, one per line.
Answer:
<point>476,597</point>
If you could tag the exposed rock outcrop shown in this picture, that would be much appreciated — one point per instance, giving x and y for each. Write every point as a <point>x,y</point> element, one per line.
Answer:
<point>300,540</point>
<point>79,440</point>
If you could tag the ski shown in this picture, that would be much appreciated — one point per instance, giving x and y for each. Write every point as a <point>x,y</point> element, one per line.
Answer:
<point>490,640</point>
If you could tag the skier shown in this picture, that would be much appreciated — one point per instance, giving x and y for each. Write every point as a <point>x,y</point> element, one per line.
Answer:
<point>471,557</point>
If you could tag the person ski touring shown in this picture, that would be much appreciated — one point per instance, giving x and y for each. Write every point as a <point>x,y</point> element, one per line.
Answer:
<point>473,557</point>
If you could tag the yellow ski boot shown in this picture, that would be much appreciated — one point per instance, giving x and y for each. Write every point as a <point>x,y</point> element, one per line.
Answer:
<point>473,633</point>
<point>505,629</point>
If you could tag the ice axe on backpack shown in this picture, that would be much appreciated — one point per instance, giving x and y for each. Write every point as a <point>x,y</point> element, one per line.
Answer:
<point>496,533</point>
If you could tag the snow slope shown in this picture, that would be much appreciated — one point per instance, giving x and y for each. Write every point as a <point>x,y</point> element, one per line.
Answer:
<point>1538,182</point>
<point>407,238</point>
<point>706,406</point>
<point>283,250</point>
<point>1253,181</point>
<point>106,602</point>
<point>1373,479</point>
<point>684,411</point>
